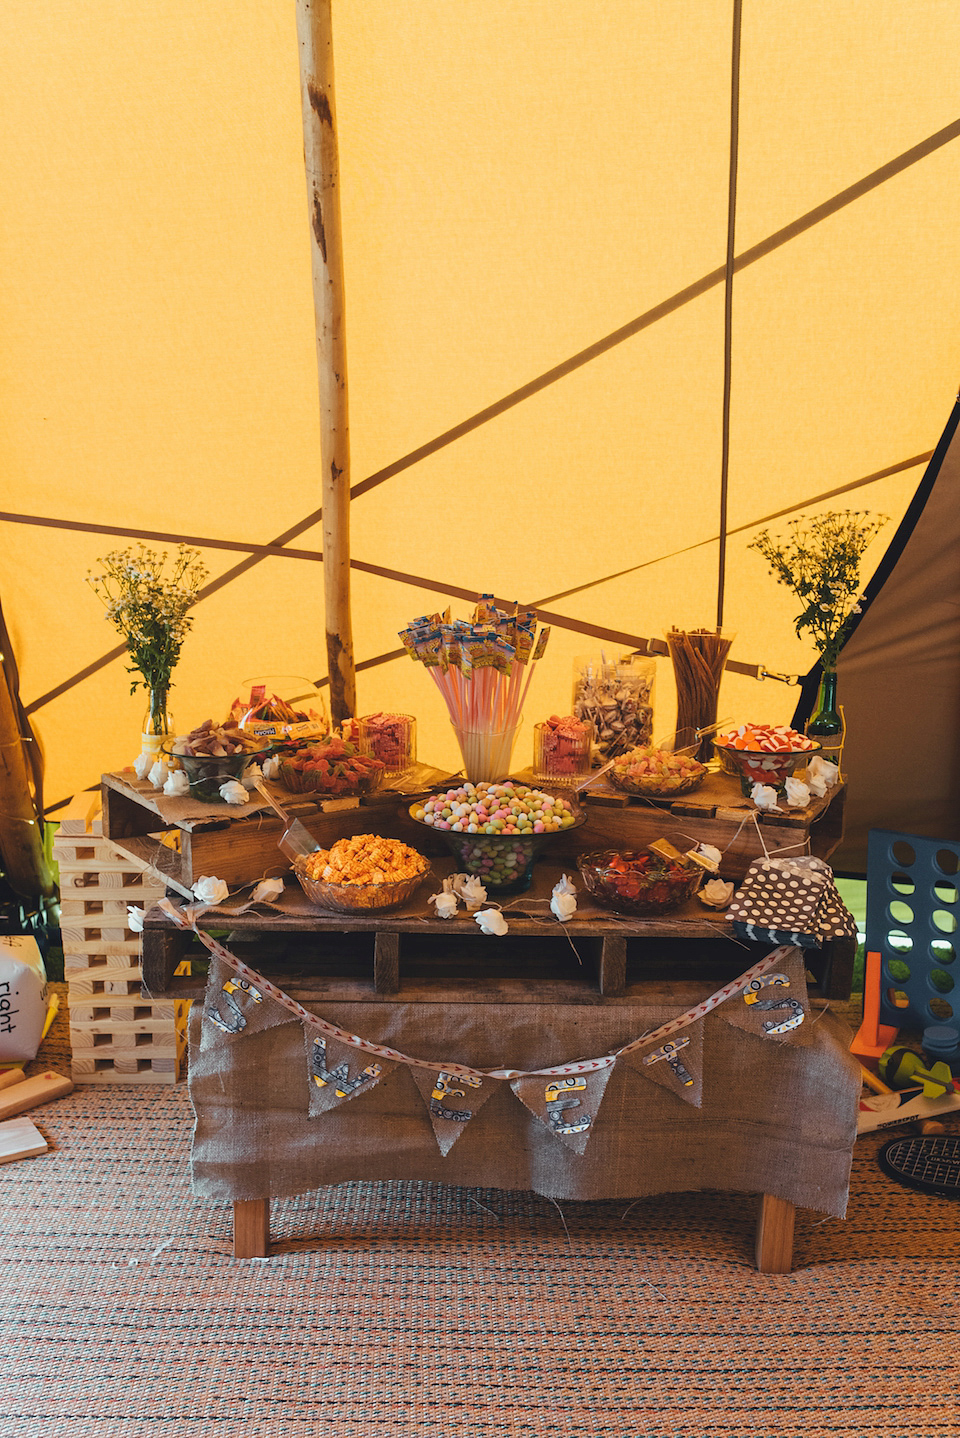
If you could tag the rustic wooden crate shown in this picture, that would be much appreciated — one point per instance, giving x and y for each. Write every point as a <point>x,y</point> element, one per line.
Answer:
<point>116,1035</point>
<point>241,846</point>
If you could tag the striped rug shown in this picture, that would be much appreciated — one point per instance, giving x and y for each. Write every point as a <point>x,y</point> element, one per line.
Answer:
<point>391,1310</point>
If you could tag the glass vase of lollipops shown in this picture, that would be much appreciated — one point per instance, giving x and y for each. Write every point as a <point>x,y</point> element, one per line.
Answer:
<point>698,657</point>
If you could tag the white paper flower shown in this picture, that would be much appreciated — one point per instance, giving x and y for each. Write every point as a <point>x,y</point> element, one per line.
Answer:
<point>210,890</point>
<point>271,767</point>
<point>445,904</point>
<point>491,921</point>
<point>817,784</point>
<point>177,784</point>
<point>798,793</point>
<point>469,888</point>
<point>266,891</point>
<point>563,902</point>
<point>143,764</point>
<point>234,793</point>
<point>252,776</point>
<point>820,768</point>
<point>716,894</point>
<point>158,774</point>
<point>764,796</point>
<point>135,918</point>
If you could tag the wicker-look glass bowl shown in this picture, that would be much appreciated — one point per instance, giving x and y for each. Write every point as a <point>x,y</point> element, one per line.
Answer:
<point>665,886</point>
<point>658,786</point>
<point>763,766</point>
<point>206,772</point>
<point>358,898</point>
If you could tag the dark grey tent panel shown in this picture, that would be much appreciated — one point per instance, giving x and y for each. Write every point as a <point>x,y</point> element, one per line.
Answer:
<point>899,674</point>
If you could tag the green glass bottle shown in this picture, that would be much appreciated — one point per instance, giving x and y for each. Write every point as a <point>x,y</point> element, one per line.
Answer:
<point>825,723</point>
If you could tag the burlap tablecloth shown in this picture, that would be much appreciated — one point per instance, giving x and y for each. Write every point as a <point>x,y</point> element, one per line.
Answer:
<point>777,1116</point>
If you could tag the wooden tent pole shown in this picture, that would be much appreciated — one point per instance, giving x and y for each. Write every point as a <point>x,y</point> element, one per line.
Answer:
<point>315,36</point>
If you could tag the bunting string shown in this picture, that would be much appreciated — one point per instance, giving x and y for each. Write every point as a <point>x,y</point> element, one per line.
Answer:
<point>188,916</point>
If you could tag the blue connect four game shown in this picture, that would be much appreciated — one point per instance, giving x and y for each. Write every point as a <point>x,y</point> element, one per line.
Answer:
<point>912,890</point>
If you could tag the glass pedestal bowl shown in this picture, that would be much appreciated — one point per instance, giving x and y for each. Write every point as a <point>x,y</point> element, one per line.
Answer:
<point>502,861</point>
<point>764,766</point>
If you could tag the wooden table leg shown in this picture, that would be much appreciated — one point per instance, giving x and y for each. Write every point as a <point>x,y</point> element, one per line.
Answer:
<point>613,964</point>
<point>775,1234</point>
<point>251,1227</point>
<point>386,962</point>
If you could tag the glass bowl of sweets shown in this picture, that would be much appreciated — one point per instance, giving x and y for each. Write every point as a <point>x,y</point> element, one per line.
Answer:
<point>657,773</point>
<point>210,756</point>
<point>496,831</point>
<point>764,754</point>
<point>363,874</point>
<point>331,767</point>
<point>640,881</point>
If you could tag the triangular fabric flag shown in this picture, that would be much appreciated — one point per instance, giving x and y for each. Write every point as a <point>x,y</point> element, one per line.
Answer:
<point>675,1063</point>
<point>566,1104</point>
<point>774,1005</point>
<point>452,1101</point>
<point>236,1007</point>
<point>337,1072</point>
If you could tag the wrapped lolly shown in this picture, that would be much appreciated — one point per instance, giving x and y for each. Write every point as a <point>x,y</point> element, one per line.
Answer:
<point>617,699</point>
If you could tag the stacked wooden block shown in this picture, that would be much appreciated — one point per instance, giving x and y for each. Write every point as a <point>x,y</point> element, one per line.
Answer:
<point>116,1035</point>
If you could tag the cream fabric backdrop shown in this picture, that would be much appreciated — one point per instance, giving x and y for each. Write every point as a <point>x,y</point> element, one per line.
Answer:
<point>518,181</point>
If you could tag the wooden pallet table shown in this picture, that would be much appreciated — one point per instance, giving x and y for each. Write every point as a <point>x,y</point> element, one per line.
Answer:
<point>411,956</point>
<point>315,958</point>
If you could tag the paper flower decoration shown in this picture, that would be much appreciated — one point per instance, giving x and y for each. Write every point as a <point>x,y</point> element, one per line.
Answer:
<point>764,796</point>
<point>252,776</point>
<point>491,921</point>
<point>210,890</point>
<point>177,784</point>
<point>158,774</point>
<point>716,894</point>
<point>233,792</point>
<point>820,768</point>
<point>469,888</point>
<point>563,902</point>
<point>135,919</point>
<point>798,793</point>
<point>445,903</point>
<point>271,767</point>
<point>266,891</point>
<point>142,765</point>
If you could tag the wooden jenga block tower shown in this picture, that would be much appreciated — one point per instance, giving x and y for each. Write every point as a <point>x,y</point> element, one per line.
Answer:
<point>116,1035</point>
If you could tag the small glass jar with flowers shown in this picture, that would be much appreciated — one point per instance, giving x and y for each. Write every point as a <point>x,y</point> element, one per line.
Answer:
<point>149,604</point>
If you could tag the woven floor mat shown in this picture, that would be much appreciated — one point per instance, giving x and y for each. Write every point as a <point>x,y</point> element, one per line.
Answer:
<point>423,1311</point>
